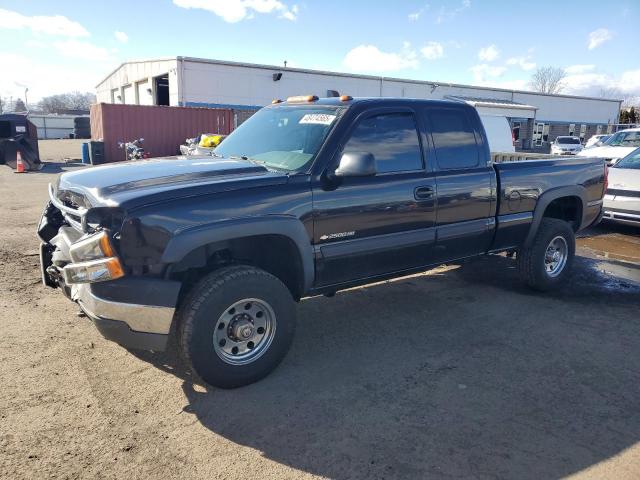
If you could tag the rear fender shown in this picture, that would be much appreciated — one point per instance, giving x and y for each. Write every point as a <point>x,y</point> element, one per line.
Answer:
<point>549,196</point>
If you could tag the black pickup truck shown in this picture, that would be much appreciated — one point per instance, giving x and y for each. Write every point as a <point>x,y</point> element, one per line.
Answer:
<point>308,197</point>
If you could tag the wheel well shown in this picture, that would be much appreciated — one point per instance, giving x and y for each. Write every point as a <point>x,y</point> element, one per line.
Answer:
<point>568,209</point>
<point>276,254</point>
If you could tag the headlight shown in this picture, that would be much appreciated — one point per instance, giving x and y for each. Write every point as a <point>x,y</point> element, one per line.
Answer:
<point>93,271</point>
<point>91,248</point>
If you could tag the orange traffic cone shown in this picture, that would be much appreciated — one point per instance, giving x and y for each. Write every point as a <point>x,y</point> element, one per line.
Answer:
<point>19,163</point>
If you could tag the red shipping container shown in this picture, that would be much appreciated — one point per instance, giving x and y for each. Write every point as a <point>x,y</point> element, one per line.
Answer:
<point>163,128</point>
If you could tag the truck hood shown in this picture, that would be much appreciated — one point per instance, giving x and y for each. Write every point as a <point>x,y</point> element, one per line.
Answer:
<point>129,184</point>
<point>607,152</point>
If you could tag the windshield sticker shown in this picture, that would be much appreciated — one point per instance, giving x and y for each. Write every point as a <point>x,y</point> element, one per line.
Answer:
<point>317,119</point>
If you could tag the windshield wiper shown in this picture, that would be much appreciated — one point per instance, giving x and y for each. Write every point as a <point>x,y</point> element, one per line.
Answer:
<point>268,166</point>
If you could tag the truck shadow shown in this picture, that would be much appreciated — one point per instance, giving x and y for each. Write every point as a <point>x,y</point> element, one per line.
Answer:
<point>453,374</point>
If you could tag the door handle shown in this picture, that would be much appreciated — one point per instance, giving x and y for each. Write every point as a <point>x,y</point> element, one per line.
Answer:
<point>422,193</point>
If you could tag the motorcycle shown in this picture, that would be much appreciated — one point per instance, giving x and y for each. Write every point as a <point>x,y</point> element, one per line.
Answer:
<point>134,150</point>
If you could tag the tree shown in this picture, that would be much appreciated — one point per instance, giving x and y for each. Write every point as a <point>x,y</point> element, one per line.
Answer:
<point>67,101</point>
<point>611,92</point>
<point>629,115</point>
<point>548,80</point>
<point>19,106</point>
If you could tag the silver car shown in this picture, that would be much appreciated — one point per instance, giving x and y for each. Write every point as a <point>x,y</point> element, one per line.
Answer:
<point>622,198</point>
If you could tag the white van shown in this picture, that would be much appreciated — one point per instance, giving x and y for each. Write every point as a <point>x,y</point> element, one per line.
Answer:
<point>499,133</point>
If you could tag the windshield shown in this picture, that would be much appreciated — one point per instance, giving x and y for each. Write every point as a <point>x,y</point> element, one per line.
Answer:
<point>569,140</point>
<point>624,139</point>
<point>630,161</point>
<point>284,137</point>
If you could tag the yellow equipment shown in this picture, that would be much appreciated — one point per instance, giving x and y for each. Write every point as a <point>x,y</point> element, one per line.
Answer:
<point>209,140</point>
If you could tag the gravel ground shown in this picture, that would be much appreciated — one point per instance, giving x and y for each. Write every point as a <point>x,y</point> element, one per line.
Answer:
<point>457,373</point>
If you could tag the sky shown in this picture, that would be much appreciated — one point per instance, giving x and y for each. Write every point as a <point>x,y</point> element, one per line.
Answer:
<point>55,47</point>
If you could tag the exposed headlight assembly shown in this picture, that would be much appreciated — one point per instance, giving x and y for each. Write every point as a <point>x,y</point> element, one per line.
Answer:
<point>92,247</point>
<point>94,260</point>
<point>93,271</point>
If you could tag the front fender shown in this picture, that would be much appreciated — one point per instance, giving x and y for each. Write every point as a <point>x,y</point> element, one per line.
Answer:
<point>192,238</point>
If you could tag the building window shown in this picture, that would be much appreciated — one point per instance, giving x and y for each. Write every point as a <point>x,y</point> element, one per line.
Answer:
<point>537,134</point>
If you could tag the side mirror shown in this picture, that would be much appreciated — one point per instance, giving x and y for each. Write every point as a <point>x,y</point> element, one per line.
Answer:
<point>356,164</point>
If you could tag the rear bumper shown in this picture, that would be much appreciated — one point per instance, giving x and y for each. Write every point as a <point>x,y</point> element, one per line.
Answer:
<point>622,209</point>
<point>621,217</point>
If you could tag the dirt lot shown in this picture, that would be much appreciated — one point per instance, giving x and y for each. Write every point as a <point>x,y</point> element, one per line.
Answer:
<point>457,373</point>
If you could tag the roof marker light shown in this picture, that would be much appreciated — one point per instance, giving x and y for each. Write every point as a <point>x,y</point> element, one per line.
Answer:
<point>302,98</point>
<point>276,100</point>
<point>346,98</point>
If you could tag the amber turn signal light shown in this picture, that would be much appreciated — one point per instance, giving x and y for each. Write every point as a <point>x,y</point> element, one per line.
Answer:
<point>302,98</point>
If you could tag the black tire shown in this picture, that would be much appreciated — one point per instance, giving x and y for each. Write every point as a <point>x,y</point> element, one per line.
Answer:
<point>209,300</point>
<point>531,260</point>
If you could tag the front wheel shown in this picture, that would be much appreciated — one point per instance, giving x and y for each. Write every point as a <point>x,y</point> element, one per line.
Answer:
<point>545,264</point>
<point>236,326</point>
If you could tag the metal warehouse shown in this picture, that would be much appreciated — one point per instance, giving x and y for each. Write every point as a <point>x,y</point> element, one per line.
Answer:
<point>535,118</point>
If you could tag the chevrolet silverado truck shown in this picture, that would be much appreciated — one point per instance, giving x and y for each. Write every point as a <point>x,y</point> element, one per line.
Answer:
<point>307,197</point>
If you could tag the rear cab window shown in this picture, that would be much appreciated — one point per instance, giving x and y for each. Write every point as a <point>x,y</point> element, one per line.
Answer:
<point>454,139</point>
<point>392,138</point>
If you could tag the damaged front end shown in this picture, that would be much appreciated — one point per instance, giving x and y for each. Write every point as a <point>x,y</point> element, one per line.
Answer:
<point>78,242</point>
<point>80,254</point>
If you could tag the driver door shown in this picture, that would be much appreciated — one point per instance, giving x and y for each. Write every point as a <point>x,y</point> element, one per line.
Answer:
<point>374,225</point>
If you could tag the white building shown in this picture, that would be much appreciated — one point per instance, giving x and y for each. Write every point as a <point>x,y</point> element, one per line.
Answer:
<point>183,81</point>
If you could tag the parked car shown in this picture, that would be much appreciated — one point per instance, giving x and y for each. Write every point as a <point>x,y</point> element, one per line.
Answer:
<point>619,145</point>
<point>566,146</point>
<point>498,132</point>
<point>312,196</point>
<point>596,140</point>
<point>622,199</point>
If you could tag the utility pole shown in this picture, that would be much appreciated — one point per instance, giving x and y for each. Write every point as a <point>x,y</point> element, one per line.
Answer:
<point>26,102</point>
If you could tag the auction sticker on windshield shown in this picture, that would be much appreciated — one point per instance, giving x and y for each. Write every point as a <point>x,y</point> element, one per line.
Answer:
<point>318,119</point>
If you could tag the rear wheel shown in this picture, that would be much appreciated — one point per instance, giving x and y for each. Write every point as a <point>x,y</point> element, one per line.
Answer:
<point>545,264</point>
<point>236,326</point>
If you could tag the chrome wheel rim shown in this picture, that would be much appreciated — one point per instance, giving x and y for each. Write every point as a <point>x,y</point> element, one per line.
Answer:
<point>244,331</point>
<point>555,257</point>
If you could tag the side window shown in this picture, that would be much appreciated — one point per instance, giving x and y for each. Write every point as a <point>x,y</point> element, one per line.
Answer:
<point>391,138</point>
<point>453,139</point>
